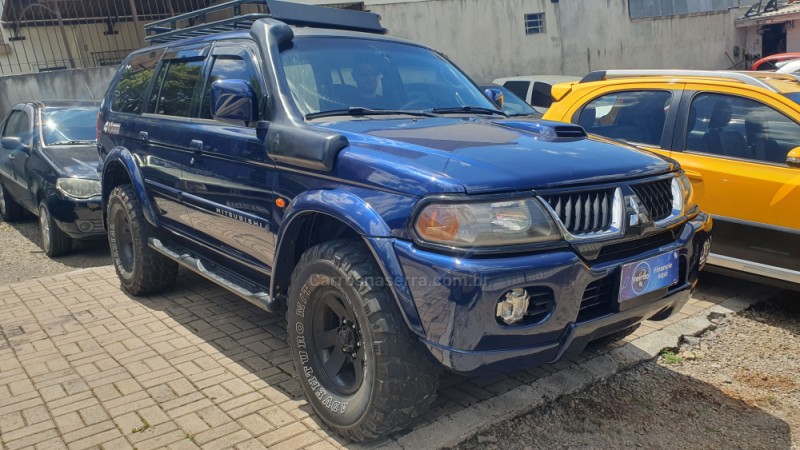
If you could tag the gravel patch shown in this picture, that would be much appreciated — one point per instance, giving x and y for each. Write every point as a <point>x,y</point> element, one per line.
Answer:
<point>22,257</point>
<point>737,386</point>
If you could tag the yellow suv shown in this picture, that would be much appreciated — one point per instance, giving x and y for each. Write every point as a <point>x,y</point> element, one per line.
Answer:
<point>737,136</point>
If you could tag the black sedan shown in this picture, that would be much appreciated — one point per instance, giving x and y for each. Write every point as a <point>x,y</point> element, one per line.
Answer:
<point>48,166</point>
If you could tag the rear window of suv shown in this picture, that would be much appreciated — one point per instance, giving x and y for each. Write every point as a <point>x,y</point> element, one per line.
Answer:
<point>134,81</point>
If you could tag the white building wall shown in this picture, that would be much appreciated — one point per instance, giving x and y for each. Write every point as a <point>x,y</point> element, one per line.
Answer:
<point>793,36</point>
<point>487,37</point>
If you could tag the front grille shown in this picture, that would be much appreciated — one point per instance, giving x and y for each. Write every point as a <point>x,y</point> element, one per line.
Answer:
<point>656,197</point>
<point>597,299</point>
<point>637,246</point>
<point>541,304</point>
<point>584,212</point>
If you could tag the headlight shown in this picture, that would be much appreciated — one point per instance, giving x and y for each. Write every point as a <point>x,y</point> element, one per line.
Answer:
<point>78,187</point>
<point>491,224</point>
<point>682,195</point>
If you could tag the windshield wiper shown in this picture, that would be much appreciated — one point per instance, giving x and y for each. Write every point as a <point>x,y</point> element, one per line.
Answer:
<point>359,111</point>
<point>468,110</point>
<point>71,143</point>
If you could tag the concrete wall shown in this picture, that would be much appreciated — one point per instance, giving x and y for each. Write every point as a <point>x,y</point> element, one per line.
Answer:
<point>487,37</point>
<point>65,84</point>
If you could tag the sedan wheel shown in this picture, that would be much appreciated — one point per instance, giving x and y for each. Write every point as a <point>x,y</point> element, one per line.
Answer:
<point>54,241</point>
<point>9,208</point>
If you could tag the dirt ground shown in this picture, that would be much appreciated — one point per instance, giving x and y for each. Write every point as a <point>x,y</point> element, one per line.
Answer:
<point>22,257</point>
<point>737,386</point>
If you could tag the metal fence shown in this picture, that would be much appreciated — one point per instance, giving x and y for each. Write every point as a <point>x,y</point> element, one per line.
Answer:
<point>47,35</point>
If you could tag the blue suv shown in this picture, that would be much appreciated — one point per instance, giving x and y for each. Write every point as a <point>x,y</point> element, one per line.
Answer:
<point>367,188</point>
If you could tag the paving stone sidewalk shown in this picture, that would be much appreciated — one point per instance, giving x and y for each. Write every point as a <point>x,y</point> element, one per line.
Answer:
<point>83,365</point>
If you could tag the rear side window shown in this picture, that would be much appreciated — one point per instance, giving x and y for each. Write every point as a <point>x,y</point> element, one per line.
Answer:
<point>176,91</point>
<point>634,116</point>
<point>738,127</point>
<point>134,81</point>
<point>519,88</point>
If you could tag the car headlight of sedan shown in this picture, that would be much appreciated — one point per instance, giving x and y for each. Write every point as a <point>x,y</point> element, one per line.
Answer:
<point>79,187</point>
<point>486,224</point>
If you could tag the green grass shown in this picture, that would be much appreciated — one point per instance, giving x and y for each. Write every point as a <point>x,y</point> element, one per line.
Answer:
<point>670,358</point>
<point>144,426</point>
<point>191,438</point>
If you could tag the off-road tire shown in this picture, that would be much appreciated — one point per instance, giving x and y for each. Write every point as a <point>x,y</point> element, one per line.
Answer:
<point>54,241</point>
<point>9,208</point>
<point>399,379</point>
<point>141,269</point>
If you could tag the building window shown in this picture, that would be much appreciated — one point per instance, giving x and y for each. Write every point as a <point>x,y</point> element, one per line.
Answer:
<point>534,23</point>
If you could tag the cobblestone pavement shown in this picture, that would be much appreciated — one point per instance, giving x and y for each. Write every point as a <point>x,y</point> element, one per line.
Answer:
<point>84,365</point>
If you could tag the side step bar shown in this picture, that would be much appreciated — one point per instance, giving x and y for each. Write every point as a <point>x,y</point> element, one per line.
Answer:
<point>212,272</point>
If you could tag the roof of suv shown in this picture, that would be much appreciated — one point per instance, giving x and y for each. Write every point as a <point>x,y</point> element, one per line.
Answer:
<point>298,32</point>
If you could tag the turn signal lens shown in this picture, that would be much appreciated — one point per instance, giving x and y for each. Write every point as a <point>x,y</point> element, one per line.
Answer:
<point>438,223</point>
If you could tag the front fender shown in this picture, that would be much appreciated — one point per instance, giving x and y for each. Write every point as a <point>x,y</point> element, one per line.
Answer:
<point>361,217</point>
<point>121,162</point>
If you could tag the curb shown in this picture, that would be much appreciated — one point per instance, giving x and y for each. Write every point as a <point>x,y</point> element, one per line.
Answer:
<point>449,431</point>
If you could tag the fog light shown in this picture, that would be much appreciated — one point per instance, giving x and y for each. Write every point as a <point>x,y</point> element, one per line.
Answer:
<point>705,252</point>
<point>85,226</point>
<point>513,307</point>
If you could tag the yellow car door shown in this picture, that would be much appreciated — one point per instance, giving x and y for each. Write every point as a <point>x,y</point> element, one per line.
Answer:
<point>733,145</point>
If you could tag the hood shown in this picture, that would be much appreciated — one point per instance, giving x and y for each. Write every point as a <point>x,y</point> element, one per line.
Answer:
<point>505,155</point>
<point>74,161</point>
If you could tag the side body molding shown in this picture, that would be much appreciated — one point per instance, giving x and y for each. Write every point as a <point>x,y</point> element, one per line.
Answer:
<point>361,217</point>
<point>121,159</point>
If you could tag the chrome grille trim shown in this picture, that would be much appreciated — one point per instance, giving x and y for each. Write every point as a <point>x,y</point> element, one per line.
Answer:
<point>656,196</point>
<point>590,214</point>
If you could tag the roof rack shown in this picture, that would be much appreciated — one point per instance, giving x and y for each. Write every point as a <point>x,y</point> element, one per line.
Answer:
<point>169,30</point>
<point>743,77</point>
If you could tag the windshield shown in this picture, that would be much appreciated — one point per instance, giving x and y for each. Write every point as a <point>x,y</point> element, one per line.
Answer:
<point>67,126</point>
<point>793,96</point>
<point>513,105</point>
<point>331,74</point>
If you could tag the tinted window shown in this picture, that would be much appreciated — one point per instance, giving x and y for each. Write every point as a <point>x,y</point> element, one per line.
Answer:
<point>229,68</point>
<point>134,81</point>
<point>18,125</point>
<point>337,73</point>
<point>519,88</point>
<point>635,116</point>
<point>176,92</point>
<point>740,128</point>
<point>63,126</point>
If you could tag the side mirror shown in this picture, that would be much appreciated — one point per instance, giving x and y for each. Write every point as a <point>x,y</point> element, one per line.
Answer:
<point>542,96</point>
<point>793,158</point>
<point>11,143</point>
<point>234,100</point>
<point>496,96</point>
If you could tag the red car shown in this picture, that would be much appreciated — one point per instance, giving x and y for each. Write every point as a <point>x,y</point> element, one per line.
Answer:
<point>768,62</point>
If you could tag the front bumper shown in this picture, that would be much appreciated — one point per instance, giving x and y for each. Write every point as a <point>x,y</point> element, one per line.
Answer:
<point>457,298</point>
<point>79,219</point>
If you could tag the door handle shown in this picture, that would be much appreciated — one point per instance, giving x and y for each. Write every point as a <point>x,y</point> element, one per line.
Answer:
<point>695,176</point>
<point>144,136</point>
<point>196,145</point>
<point>12,157</point>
